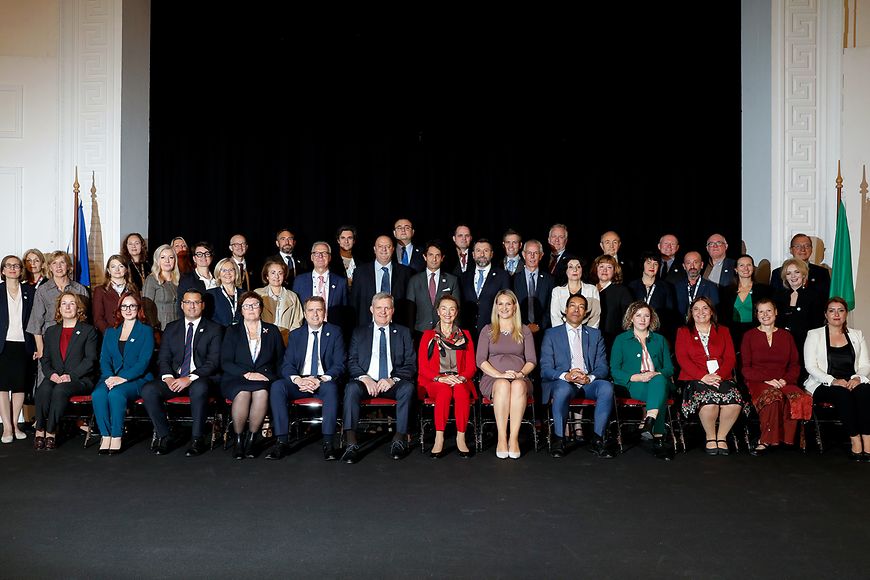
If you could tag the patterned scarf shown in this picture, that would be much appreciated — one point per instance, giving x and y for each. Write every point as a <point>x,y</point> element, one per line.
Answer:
<point>453,341</point>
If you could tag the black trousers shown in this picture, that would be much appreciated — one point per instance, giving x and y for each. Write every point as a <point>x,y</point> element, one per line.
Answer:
<point>356,391</point>
<point>852,406</point>
<point>156,393</point>
<point>51,400</point>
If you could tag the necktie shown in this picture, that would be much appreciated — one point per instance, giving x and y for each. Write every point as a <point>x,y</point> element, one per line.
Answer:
<point>479,282</point>
<point>462,260</point>
<point>404,256</point>
<point>432,288</point>
<point>577,351</point>
<point>663,269</point>
<point>320,286</point>
<point>512,265</point>
<point>188,351</point>
<point>383,371</point>
<point>385,280</point>
<point>532,292</point>
<point>290,265</point>
<point>315,349</point>
<point>554,259</point>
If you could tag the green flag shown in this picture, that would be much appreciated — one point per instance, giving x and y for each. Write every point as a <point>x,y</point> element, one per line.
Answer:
<point>841,271</point>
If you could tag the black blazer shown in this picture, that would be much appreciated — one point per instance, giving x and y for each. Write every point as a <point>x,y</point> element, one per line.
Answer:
<point>236,356</point>
<point>818,278</point>
<point>364,288</point>
<point>615,300</point>
<point>416,262</point>
<point>543,293</point>
<point>560,273</point>
<point>27,294</point>
<point>424,315</point>
<point>476,310</point>
<point>302,265</point>
<point>674,273</point>
<point>331,343</point>
<point>728,295</point>
<point>82,354</point>
<point>401,352</point>
<point>206,348</point>
<point>190,280</point>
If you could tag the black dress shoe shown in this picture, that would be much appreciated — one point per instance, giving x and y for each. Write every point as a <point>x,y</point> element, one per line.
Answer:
<point>197,447</point>
<point>465,454</point>
<point>646,430</point>
<point>721,450</point>
<point>856,456</point>
<point>330,453</point>
<point>351,453</point>
<point>661,450</point>
<point>558,448</point>
<point>239,447</point>
<point>437,455</point>
<point>103,451</point>
<point>600,448</point>
<point>161,445</point>
<point>759,450</point>
<point>251,445</point>
<point>281,449</point>
<point>398,449</point>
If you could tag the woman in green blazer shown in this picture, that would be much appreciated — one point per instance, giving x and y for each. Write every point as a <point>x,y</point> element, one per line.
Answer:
<point>641,362</point>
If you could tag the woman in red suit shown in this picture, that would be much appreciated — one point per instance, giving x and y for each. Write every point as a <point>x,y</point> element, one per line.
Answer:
<point>771,368</point>
<point>706,356</point>
<point>446,365</point>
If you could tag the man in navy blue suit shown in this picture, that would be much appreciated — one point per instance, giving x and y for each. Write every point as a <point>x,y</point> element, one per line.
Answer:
<point>382,275</point>
<point>574,365</point>
<point>533,288</point>
<point>313,367</point>
<point>407,254</point>
<point>721,269</point>
<point>478,287</point>
<point>320,282</point>
<point>381,363</point>
<point>692,285</point>
<point>189,360</point>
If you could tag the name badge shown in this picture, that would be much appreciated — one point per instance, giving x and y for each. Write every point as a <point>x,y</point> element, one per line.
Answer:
<point>712,366</point>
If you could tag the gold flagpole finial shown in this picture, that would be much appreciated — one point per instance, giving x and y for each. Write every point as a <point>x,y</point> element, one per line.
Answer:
<point>839,184</point>
<point>93,185</point>
<point>864,181</point>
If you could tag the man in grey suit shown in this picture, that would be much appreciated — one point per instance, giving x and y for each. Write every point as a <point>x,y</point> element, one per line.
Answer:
<point>426,287</point>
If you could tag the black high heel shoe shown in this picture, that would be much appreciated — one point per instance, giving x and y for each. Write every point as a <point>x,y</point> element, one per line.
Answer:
<point>250,445</point>
<point>239,447</point>
<point>646,429</point>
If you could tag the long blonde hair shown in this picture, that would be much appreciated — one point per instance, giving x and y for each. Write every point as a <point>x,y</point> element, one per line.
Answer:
<point>155,265</point>
<point>494,328</point>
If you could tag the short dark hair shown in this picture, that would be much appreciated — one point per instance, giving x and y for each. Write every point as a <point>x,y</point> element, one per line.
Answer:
<point>193,290</point>
<point>482,241</point>
<point>343,228</point>
<point>433,244</point>
<point>203,244</point>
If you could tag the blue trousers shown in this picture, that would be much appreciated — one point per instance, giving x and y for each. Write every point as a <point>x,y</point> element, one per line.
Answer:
<point>110,406</point>
<point>283,391</point>
<point>599,390</point>
<point>355,391</point>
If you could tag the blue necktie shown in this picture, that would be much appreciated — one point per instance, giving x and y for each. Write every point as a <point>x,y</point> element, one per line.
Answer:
<point>188,351</point>
<point>404,256</point>
<point>383,370</point>
<point>385,280</point>
<point>315,349</point>
<point>532,292</point>
<point>479,282</point>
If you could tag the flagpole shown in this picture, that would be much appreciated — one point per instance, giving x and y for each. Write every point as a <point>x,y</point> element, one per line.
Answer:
<point>839,186</point>
<point>75,243</point>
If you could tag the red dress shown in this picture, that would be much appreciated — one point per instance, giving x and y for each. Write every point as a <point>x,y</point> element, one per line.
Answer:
<point>462,394</point>
<point>778,409</point>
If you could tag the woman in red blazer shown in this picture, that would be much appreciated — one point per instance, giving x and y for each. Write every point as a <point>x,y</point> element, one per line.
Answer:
<point>706,357</point>
<point>446,366</point>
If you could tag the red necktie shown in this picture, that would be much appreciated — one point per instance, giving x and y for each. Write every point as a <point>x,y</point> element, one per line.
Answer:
<point>432,288</point>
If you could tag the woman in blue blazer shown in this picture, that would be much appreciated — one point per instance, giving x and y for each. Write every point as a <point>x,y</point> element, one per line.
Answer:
<point>226,298</point>
<point>124,360</point>
<point>251,354</point>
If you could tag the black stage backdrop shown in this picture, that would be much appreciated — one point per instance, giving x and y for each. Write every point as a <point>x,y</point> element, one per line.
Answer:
<point>262,118</point>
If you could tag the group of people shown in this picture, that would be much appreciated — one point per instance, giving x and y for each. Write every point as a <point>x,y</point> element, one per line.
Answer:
<point>428,321</point>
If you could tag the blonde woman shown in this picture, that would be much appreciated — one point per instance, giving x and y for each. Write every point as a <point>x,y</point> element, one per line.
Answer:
<point>226,296</point>
<point>506,355</point>
<point>160,291</point>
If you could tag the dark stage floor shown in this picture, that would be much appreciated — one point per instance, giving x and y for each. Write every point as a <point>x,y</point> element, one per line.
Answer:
<point>73,514</point>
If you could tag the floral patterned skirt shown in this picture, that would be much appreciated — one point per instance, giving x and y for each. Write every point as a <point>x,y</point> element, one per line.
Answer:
<point>697,394</point>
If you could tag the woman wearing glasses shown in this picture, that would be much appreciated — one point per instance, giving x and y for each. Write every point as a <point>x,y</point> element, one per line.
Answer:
<point>124,359</point>
<point>16,346</point>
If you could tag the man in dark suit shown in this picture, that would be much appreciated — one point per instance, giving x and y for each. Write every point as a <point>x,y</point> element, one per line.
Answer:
<point>321,282</point>
<point>513,243</point>
<point>478,286</point>
<point>670,268</point>
<point>533,289</point>
<point>574,365</point>
<point>313,367</point>
<point>381,363</point>
<point>238,250</point>
<point>692,285</point>
<point>425,288</point>
<point>720,269</point>
<point>610,244</point>
<point>801,247</point>
<point>460,258</point>
<point>189,359</point>
<point>285,240</point>
<point>382,275</point>
<point>407,254</point>
<point>345,237</point>
<point>557,266</point>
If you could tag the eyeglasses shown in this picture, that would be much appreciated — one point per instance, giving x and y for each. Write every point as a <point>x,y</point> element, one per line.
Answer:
<point>191,302</point>
<point>239,244</point>
<point>803,246</point>
<point>203,254</point>
<point>715,244</point>
<point>319,254</point>
<point>13,266</point>
<point>129,307</point>
<point>253,306</point>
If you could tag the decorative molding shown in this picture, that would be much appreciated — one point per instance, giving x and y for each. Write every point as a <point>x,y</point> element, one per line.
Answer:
<point>11,217</point>
<point>11,111</point>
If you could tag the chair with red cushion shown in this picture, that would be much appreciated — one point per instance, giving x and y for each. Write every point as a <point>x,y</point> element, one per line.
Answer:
<point>528,419</point>
<point>580,412</point>
<point>80,408</point>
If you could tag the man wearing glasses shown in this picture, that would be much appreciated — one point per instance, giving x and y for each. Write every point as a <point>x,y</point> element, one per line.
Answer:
<point>720,268</point>
<point>238,249</point>
<point>407,254</point>
<point>321,282</point>
<point>801,247</point>
<point>189,359</point>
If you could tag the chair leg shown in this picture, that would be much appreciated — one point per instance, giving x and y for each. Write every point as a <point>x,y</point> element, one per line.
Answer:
<point>818,434</point>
